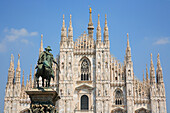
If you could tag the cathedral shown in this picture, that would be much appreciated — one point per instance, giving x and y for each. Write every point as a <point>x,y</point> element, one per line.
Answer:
<point>90,80</point>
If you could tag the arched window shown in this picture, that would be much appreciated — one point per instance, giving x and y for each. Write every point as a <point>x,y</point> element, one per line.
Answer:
<point>84,102</point>
<point>118,97</point>
<point>85,70</point>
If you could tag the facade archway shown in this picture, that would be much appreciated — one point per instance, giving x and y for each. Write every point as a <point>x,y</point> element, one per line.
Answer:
<point>84,102</point>
<point>142,110</point>
<point>118,110</point>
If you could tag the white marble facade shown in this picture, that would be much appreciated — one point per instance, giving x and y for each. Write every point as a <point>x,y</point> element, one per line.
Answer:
<point>90,80</point>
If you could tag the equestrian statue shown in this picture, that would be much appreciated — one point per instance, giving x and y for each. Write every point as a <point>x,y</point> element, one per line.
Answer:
<point>44,67</point>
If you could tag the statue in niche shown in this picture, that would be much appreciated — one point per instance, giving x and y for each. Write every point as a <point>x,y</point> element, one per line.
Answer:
<point>106,92</point>
<point>99,92</point>
<point>44,67</point>
<point>99,65</point>
<point>129,92</point>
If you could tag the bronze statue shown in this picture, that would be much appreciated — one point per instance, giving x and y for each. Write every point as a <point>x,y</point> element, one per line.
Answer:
<point>44,67</point>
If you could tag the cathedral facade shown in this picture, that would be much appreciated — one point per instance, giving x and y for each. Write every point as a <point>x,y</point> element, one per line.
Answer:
<point>90,80</point>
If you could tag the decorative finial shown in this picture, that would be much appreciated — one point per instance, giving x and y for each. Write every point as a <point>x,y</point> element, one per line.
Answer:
<point>151,56</point>
<point>41,35</point>
<point>18,56</point>
<point>70,16</point>
<point>63,21</point>
<point>158,56</point>
<point>98,20</point>
<point>105,19</point>
<point>105,27</point>
<point>90,10</point>
<point>127,35</point>
<point>70,22</point>
<point>151,61</point>
<point>63,16</point>
<point>158,61</point>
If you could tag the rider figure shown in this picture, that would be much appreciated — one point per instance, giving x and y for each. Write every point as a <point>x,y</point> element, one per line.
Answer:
<point>46,59</point>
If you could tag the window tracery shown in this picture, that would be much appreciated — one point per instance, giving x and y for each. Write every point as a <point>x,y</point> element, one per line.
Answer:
<point>85,70</point>
<point>118,97</point>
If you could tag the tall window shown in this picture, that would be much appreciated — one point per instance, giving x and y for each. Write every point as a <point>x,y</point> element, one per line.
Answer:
<point>84,102</point>
<point>118,97</point>
<point>85,73</point>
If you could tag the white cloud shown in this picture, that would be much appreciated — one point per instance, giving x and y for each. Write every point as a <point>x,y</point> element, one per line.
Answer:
<point>33,33</point>
<point>24,41</point>
<point>162,41</point>
<point>14,34</point>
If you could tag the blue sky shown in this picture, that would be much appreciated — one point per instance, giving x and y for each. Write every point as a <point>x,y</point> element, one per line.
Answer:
<point>146,21</point>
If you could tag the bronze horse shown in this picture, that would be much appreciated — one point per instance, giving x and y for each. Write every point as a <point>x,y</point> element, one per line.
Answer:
<point>45,72</point>
<point>44,67</point>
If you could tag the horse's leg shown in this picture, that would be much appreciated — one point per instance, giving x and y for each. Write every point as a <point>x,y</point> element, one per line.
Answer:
<point>43,82</point>
<point>37,79</point>
<point>37,82</point>
<point>46,82</point>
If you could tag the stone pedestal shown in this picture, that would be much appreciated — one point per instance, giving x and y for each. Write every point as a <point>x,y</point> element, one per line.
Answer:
<point>43,100</point>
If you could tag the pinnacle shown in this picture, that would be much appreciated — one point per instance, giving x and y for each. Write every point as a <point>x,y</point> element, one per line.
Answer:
<point>90,25</point>
<point>63,22</point>
<point>18,65</point>
<point>70,27</point>
<point>23,79</point>
<point>128,45</point>
<point>151,61</point>
<point>98,21</point>
<point>147,78</point>
<point>158,61</point>
<point>105,27</point>
<point>12,62</point>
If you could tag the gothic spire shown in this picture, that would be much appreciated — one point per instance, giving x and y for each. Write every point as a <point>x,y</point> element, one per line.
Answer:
<point>106,27</point>
<point>41,45</point>
<point>147,77</point>
<point>27,83</point>
<point>18,64</point>
<point>70,31</point>
<point>128,50</point>
<point>12,63</point>
<point>159,74</point>
<point>98,30</point>
<point>11,70</point>
<point>106,34</point>
<point>90,19</point>
<point>152,72</point>
<point>18,71</point>
<point>90,25</point>
<point>30,77</point>
<point>158,62</point>
<point>63,31</point>
<point>22,86</point>
<point>63,27</point>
